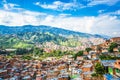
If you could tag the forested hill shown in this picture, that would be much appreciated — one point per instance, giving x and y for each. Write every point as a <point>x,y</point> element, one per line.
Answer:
<point>43,29</point>
<point>27,36</point>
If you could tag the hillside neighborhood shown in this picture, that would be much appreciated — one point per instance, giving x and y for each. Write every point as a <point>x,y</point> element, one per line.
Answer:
<point>59,39</point>
<point>98,62</point>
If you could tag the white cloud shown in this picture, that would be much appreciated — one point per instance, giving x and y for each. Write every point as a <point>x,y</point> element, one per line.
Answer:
<point>9,6</point>
<point>90,24</point>
<point>106,2</point>
<point>117,12</point>
<point>106,24</point>
<point>19,19</point>
<point>100,24</point>
<point>58,5</point>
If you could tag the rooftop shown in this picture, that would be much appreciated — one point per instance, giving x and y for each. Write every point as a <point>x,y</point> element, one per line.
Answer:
<point>110,77</point>
<point>108,62</point>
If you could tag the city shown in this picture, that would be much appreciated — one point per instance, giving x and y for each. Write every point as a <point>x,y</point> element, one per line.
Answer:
<point>95,63</point>
<point>59,39</point>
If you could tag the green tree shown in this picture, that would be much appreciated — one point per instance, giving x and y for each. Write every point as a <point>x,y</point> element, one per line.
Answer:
<point>79,53</point>
<point>108,57</point>
<point>21,51</point>
<point>38,51</point>
<point>112,46</point>
<point>99,69</point>
<point>88,49</point>
<point>26,57</point>
<point>119,49</point>
<point>94,76</point>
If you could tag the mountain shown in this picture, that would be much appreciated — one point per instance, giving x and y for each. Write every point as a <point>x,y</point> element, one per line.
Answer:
<point>43,29</point>
<point>28,36</point>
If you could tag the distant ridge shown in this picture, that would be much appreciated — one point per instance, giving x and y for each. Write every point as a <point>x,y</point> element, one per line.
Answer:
<point>43,29</point>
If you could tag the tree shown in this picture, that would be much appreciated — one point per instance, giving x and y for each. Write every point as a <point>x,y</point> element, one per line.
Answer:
<point>21,51</point>
<point>26,57</point>
<point>79,53</point>
<point>99,69</point>
<point>88,49</point>
<point>94,76</point>
<point>112,46</point>
<point>119,49</point>
<point>38,51</point>
<point>108,57</point>
<point>3,51</point>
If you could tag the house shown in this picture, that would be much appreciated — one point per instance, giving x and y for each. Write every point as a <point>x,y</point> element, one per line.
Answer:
<point>104,50</point>
<point>87,75</point>
<point>87,70</point>
<point>85,53</point>
<point>115,49</point>
<point>80,58</point>
<point>92,55</point>
<point>110,77</point>
<point>109,66</point>
<point>87,67</point>
<point>63,77</point>
<point>115,39</point>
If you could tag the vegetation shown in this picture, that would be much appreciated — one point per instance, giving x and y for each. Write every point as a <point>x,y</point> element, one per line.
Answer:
<point>28,39</point>
<point>21,51</point>
<point>36,53</point>
<point>99,71</point>
<point>88,49</point>
<point>3,52</point>
<point>27,36</point>
<point>112,46</point>
<point>80,53</point>
<point>8,41</point>
<point>119,49</point>
<point>108,57</point>
<point>26,57</point>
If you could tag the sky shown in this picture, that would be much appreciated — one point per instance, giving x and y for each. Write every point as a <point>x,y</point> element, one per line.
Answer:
<point>88,16</point>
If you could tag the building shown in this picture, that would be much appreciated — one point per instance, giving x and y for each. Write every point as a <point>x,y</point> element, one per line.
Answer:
<point>115,39</point>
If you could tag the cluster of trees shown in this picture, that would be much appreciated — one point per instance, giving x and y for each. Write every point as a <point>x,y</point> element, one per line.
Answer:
<point>38,52</point>
<point>88,49</point>
<point>22,51</point>
<point>26,57</point>
<point>112,46</point>
<point>108,57</point>
<point>99,71</point>
<point>3,51</point>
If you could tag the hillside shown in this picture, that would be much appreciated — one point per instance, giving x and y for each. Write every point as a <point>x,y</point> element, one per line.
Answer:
<point>43,29</point>
<point>28,36</point>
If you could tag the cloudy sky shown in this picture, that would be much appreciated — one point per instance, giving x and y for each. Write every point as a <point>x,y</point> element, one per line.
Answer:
<point>89,16</point>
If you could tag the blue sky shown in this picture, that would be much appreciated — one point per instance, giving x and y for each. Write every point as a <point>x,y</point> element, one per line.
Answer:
<point>89,16</point>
